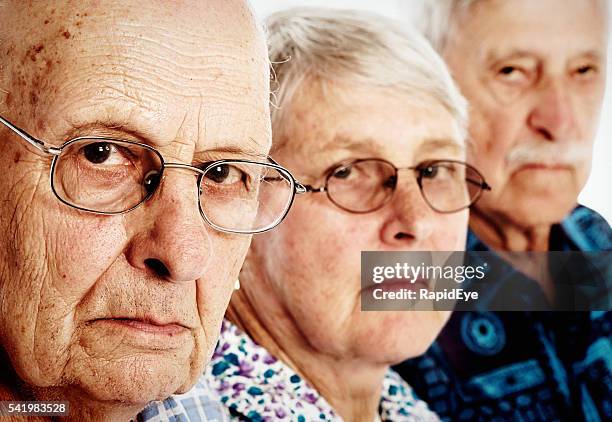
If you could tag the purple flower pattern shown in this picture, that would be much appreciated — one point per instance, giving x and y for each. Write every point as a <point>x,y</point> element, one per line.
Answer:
<point>255,386</point>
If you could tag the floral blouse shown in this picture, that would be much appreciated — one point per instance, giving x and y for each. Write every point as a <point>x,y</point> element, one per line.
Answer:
<point>255,386</point>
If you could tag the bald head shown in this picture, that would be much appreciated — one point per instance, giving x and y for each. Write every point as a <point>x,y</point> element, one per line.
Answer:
<point>129,56</point>
<point>189,78</point>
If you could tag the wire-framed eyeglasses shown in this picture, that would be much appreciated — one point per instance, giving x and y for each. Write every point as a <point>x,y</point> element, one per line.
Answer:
<point>366,185</point>
<point>112,176</point>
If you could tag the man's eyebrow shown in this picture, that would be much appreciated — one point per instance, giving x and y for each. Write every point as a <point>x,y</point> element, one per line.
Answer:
<point>118,129</point>
<point>500,54</point>
<point>108,128</point>
<point>591,54</point>
<point>237,150</point>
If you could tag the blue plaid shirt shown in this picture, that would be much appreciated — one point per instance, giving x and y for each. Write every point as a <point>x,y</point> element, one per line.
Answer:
<point>198,404</point>
<point>523,366</point>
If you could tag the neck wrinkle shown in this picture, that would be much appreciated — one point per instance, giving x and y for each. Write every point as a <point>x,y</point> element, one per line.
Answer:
<point>281,337</point>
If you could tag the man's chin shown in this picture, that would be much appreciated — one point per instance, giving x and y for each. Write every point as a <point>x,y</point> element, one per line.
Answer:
<point>531,210</point>
<point>534,197</point>
<point>134,380</point>
<point>540,213</point>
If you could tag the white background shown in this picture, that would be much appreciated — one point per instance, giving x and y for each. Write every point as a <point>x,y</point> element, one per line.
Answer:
<point>597,193</point>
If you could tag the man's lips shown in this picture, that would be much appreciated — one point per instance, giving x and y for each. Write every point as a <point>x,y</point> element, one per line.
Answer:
<point>545,166</point>
<point>138,332</point>
<point>147,325</point>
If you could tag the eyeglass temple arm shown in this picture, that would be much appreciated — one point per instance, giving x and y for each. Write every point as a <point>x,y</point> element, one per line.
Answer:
<point>39,145</point>
<point>310,188</point>
<point>299,187</point>
<point>484,185</point>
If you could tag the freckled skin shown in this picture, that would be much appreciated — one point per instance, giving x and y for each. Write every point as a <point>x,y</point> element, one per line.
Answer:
<point>306,273</point>
<point>192,77</point>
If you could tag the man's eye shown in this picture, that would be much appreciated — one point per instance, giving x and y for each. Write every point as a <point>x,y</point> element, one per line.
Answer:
<point>103,153</point>
<point>225,173</point>
<point>586,71</point>
<point>342,173</point>
<point>512,74</point>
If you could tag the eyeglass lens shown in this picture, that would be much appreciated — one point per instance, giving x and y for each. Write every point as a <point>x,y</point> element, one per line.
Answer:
<point>112,176</point>
<point>366,185</point>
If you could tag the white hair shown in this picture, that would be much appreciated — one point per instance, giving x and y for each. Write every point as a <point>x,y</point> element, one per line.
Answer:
<point>436,18</point>
<point>330,45</point>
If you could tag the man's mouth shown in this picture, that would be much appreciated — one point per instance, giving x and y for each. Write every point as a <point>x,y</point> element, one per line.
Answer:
<point>545,166</point>
<point>147,325</point>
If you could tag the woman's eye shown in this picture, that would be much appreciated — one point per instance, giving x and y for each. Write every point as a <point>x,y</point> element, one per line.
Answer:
<point>225,173</point>
<point>440,171</point>
<point>390,183</point>
<point>429,172</point>
<point>104,153</point>
<point>342,173</point>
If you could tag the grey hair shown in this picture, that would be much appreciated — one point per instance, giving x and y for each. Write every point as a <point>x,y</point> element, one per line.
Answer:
<point>330,45</point>
<point>437,17</point>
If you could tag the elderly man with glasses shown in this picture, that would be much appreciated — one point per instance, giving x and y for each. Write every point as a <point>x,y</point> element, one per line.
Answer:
<point>134,170</point>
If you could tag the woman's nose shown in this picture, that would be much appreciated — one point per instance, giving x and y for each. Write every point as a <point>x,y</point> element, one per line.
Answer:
<point>409,217</point>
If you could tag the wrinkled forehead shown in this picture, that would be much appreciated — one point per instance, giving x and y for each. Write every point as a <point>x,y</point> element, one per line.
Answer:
<point>544,27</point>
<point>366,121</point>
<point>169,70</point>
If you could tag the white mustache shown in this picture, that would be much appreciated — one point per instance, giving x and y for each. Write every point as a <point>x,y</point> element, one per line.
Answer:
<point>561,153</point>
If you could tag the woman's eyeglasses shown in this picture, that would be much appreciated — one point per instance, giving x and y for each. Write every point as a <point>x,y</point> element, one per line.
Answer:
<point>366,185</point>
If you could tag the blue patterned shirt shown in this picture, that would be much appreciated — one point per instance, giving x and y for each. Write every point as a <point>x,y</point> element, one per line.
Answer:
<point>523,366</point>
<point>200,404</point>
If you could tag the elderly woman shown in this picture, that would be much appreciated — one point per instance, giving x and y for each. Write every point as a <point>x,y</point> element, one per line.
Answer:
<point>133,139</point>
<point>369,118</point>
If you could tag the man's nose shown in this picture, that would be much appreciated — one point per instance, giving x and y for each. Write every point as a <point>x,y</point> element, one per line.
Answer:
<point>171,240</point>
<point>409,218</point>
<point>552,116</point>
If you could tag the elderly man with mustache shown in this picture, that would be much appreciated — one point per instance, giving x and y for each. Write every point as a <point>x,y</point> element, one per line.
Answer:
<point>534,74</point>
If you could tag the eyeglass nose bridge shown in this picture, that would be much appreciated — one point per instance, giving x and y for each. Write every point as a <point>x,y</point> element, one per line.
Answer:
<point>179,166</point>
<point>416,177</point>
<point>183,167</point>
<point>200,173</point>
<point>393,195</point>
